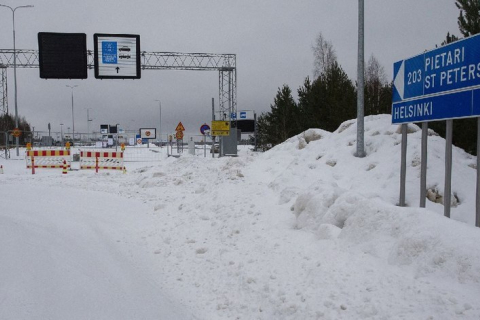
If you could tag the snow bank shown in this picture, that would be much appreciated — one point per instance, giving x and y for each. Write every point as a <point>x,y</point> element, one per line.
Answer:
<point>303,231</point>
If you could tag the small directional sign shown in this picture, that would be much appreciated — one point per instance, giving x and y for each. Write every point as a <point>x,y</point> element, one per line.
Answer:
<point>220,128</point>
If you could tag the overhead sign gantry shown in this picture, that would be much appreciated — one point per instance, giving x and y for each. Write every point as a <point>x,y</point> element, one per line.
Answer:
<point>225,64</point>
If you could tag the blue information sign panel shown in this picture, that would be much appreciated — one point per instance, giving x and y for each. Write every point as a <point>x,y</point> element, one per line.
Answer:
<point>109,52</point>
<point>439,84</point>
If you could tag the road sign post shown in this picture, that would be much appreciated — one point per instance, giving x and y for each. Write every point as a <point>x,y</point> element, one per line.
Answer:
<point>441,84</point>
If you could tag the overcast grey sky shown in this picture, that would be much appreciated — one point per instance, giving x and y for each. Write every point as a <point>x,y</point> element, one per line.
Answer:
<point>271,38</point>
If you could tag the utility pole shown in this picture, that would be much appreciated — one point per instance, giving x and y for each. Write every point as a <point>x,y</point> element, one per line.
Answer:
<point>360,81</point>
<point>17,142</point>
<point>160,123</point>
<point>73,117</point>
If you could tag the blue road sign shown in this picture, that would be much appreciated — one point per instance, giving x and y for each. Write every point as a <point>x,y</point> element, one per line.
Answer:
<point>233,115</point>
<point>438,84</point>
<point>243,115</point>
<point>203,128</point>
<point>109,52</point>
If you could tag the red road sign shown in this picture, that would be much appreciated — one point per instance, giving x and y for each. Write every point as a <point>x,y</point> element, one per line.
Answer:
<point>180,127</point>
<point>16,132</point>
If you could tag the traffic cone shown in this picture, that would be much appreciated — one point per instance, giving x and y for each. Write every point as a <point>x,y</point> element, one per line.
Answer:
<point>1,169</point>
<point>64,167</point>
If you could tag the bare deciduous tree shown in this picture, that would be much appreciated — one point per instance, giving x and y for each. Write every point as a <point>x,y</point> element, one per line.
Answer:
<point>375,81</point>
<point>324,55</point>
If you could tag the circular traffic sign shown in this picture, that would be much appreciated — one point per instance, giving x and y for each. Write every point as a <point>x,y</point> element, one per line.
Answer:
<point>204,127</point>
<point>16,132</point>
<point>179,135</point>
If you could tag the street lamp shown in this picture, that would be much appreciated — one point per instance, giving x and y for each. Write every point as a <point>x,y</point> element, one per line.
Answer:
<point>73,117</point>
<point>15,68</point>
<point>361,81</point>
<point>160,124</point>
<point>61,131</point>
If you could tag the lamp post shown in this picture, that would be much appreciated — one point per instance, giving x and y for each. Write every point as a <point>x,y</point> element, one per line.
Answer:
<point>160,123</point>
<point>360,80</point>
<point>73,117</point>
<point>15,68</point>
<point>61,132</point>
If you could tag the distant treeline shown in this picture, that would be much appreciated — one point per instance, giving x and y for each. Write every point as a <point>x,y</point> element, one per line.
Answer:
<point>331,98</point>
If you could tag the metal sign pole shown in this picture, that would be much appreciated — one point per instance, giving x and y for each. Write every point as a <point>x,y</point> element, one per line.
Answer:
<point>255,132</point>
<point>220,147</point>
<point>6,145</point>
<point>448,169</point>
<point>477,220</point>
<point>403,166</point>
<point>423,166</point>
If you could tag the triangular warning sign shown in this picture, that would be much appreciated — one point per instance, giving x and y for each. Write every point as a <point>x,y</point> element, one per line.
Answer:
<point>180,127</point>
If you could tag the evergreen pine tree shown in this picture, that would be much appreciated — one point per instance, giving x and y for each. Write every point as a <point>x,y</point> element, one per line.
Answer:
<point>469,18</point>
<point>282,122</point>
<point>339,100</point>
<point>449,39</point>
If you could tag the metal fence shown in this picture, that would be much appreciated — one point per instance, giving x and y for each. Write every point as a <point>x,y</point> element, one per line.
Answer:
<point>135,150</point>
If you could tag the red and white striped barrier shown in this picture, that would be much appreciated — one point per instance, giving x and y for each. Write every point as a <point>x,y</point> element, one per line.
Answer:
<point>101,160</point>
<point>47,159</point>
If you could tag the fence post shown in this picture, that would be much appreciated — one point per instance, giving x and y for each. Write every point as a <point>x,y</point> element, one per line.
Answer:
<point>33,165</point>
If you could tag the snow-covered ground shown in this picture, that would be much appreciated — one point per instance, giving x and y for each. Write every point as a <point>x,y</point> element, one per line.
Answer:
<point>303,231</point>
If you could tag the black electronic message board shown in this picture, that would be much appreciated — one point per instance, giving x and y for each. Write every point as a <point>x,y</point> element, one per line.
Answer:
<point>246,126</point>
<point>62,55</point>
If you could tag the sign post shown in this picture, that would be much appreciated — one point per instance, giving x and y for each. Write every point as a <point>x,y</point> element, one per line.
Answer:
<point>179,136</point>
<point>204,129</point>
<point>441,84</point>
<point>148,134</point>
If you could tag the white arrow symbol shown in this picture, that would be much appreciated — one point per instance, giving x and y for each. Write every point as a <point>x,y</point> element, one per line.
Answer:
<point>399,81</point>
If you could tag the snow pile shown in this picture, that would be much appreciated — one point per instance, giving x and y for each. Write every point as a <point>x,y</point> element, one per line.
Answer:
<point>303,231</point>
